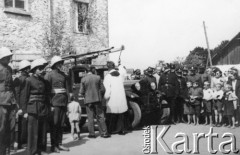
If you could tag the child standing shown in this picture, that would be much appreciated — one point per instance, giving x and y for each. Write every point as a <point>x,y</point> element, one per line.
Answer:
<point>207,102</point>
<point>228,99</point>
<point>196,95</point>
<point>74,115</point>
<point>188,109</point>
<point>218,105</point>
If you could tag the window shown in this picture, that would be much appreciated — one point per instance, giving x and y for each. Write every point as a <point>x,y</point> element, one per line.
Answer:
<point>82,17</point>
<point>19,4</point>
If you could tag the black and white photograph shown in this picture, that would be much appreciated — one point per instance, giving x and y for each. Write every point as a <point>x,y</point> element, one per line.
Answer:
<point>119,77</point>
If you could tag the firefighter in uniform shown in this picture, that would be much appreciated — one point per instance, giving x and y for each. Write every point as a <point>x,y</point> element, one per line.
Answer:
<point>193,77</point>
<point>37,109</point>
<point>59,88</point>
<point>168,85</point>
<point>182,95</point>
<point>7,101</point>
<point>24,67</point>
<point>203,76</point>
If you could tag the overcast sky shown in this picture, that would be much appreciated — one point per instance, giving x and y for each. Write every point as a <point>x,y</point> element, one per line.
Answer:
<point>153,30</point>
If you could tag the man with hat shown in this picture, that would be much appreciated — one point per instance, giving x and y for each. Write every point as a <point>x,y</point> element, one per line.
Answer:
<point>7,101</point>
<point>137,74</point>
<point>168,85</point>
<point>37,109</point>
<point>203,76</point>
<point>147,80</point>
<point>20,83</point>
<point>182,95</point>
<point>193,77</point>
<point>60,97</point>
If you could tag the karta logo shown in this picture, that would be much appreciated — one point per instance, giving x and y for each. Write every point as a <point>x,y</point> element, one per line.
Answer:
<point>152,138</point>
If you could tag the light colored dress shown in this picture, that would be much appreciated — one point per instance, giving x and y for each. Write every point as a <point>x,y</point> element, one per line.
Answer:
<point>74,111</point>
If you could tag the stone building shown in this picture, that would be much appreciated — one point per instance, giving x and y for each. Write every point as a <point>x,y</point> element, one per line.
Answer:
<point>34,28</point>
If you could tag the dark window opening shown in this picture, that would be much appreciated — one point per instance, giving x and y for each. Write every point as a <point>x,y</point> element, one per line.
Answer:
<point>20,4</point>
<point>82,16</point>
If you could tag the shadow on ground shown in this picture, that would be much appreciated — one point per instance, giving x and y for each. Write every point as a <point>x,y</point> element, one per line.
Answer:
<point>70,144</point>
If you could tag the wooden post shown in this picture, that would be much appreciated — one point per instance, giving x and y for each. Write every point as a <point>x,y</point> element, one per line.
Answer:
<point>209,53</point>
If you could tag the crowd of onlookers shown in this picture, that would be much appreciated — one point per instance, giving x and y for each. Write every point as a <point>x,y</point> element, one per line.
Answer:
<point>195,95</point>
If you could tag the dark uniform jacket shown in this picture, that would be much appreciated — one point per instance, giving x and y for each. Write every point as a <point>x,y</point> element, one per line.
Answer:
<point>145,83</point>
<point>36,94</point>
<point>58,80</point>
<point>204,77</point>
<point>6,86</point>
<point>182,85</point>
<point>19,84</point>
<point>194,78</point>
<point>168,84</point>
<point>91,88</point>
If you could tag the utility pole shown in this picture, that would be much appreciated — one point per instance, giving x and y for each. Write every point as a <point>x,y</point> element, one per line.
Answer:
<point>209,53</point>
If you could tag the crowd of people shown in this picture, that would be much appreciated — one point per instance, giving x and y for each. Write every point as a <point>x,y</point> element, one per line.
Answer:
<point>39,99</point>
<point>195,95</point>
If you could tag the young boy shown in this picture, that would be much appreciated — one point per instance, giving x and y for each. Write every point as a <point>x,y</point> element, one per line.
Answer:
<point>207,102</point>
<point>196,95</point>
<point>74,115</point>
<point>218,105</point>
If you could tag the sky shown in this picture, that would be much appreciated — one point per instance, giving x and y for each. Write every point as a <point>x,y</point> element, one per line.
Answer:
<point>153,30</point>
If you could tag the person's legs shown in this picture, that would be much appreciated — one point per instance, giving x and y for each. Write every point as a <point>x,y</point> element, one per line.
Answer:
<point>194,119</point>
<point>78,129</point>
<point>101,119</point>
<point>3,131</point>
<point>23,135</point>
<point>42,134</point>
<point>233,122</point>
<point>72,129</point>
<point>90,114</point>
<point>189,119</point>
<point>32,146</point>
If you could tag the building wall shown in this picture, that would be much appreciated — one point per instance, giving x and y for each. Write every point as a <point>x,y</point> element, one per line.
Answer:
<point>26,34</point>
<point>229,56</point>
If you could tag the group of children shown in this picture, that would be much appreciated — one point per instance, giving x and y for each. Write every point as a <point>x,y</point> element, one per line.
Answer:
<point>218,102</point>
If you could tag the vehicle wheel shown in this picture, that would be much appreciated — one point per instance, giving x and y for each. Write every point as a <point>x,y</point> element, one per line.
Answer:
<point>135,114</point>
<point>165,114</point>
<point>82,121</point>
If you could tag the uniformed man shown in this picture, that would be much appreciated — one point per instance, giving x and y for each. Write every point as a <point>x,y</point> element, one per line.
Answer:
<point>37,109</point>
<point>59,87</point>
<point>137,74</point>
<point>203,76</point>
<point>185,72</point>
<point>192,77</point>
<point>147,80</point>
<point>24,67</point>
<point>7,101</point>
<point>182,95</point>
<point>168,85</point>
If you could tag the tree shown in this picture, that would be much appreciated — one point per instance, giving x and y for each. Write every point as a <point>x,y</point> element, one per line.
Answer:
<point>196,57</point>
<point>219,47</point>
